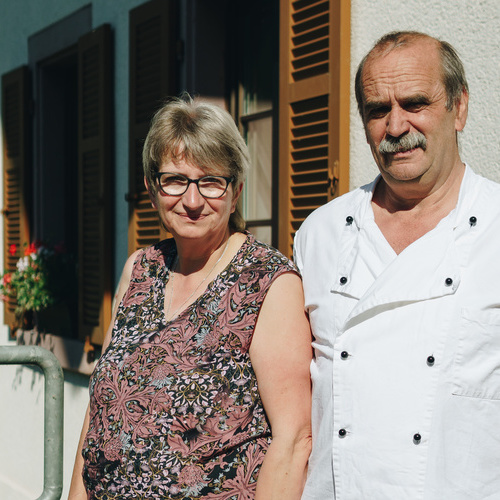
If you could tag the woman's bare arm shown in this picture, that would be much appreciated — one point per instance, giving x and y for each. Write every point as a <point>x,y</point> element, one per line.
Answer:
<point>281,354</point>
<point>77,488</point>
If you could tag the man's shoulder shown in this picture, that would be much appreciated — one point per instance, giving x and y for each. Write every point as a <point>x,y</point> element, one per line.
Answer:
<point>483,183</point>
<point>337,209</point>
<point>324,227</point>
<point>482,192</point>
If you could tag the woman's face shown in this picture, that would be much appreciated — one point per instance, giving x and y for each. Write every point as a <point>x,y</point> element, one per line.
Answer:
<point>191,216</point>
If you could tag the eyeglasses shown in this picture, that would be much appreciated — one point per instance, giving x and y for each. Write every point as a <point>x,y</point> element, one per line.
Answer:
<point>209,186</point>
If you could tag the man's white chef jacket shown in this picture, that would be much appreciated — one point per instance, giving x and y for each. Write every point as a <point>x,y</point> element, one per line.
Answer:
<point>406,376</point>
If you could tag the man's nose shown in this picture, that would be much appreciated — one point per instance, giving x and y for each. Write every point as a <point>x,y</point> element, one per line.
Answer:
<point>397,122</point>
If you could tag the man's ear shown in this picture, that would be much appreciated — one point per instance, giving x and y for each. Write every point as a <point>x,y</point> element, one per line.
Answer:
<point>461,110</point>
<point>152,196</point>
<point>365,129</point>
<point>366,135</point>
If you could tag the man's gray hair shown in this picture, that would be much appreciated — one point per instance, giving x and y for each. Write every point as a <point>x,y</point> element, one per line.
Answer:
<point>454,79</point>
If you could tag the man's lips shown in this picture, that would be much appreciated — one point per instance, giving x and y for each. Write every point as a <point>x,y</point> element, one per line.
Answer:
<point>404,152</point>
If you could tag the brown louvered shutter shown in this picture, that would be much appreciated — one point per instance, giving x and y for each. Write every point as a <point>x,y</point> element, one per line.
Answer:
<point>314,109</point>
<point>16,169</point>
<point>95,192</point>
<point>153,77</point>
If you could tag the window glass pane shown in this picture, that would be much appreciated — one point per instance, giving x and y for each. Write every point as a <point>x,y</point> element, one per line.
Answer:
<point>260,34</point>
<point>257,195</point>
<point>262,233</point>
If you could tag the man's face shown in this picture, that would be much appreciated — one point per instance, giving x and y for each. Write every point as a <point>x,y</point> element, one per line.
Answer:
<point>405,100</point>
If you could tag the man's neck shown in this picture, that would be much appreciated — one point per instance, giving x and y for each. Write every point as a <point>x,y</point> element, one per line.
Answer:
<point>404,214</point>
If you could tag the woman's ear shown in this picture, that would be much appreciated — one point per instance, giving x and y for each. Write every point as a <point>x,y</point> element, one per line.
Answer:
<point>152,196</point>
<point>236,195</point>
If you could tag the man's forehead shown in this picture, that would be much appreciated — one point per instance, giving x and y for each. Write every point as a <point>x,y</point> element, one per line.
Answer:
<point>419,43</point>
<point>413,68</point>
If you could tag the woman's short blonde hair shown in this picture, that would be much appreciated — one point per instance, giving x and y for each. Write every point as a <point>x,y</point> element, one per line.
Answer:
<point>202,134</point>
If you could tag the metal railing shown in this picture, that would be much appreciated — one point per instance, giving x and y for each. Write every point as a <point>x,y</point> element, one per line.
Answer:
<point>53,412</point>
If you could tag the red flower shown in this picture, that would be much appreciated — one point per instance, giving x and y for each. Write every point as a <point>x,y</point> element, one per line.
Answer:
<point>7,278</point>
<point>31,248</point>
<point>12,249</point>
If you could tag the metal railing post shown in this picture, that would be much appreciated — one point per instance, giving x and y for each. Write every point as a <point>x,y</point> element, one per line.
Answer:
<point>53,411</point>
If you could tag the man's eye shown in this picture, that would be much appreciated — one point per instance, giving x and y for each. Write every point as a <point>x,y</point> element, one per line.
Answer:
<point>414,107</point>
<point>379,112</point>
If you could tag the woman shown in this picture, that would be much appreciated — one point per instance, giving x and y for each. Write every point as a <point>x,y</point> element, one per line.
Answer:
<point>203,389</point>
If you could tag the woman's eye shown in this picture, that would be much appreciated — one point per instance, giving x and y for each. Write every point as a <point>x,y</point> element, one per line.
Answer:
<point>211,181</point>
<point>172,179</point>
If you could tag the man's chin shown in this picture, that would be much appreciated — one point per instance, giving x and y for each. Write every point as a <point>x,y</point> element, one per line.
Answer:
<point>400,172</point>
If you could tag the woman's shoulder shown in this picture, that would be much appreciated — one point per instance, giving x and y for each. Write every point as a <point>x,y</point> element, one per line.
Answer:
<point>260,254</point>
<point>158,254</point>
<point>159,250</point>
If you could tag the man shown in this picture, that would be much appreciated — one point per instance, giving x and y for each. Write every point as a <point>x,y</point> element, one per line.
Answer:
<point>402,285</point>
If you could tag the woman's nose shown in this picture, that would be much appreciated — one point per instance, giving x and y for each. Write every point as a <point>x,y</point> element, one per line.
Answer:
<point>192,197</point>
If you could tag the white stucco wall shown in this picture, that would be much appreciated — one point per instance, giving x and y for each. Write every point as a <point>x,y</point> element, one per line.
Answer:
<point>473,28</point>
<point>21,428</point>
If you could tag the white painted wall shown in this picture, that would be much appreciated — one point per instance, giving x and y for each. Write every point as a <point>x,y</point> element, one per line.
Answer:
<point>473,28</point>
<point>21,428</point>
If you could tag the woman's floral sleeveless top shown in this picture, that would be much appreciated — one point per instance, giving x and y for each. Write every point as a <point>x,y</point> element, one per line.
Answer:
<point>175,410</point>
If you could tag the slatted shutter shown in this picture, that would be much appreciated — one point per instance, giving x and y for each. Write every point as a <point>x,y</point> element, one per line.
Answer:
<point>16,169</point>
<point>314,109</point>
<point>153,77</point>
<point>95,191</point>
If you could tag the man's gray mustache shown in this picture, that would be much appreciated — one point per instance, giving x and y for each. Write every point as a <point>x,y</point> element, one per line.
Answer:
<point>401,144</point>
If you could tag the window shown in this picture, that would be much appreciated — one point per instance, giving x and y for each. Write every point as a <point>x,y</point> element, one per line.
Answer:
<point>54,216</point>
<point>17,157</point>
<point>61,192</point>
<point>255,82</point>
<point>282,70</point>
<point>314,109</point>
<point>153,77</point>
<point>251,58</point>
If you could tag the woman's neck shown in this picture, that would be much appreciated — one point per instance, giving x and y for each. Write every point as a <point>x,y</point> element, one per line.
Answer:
<point>193,257</point>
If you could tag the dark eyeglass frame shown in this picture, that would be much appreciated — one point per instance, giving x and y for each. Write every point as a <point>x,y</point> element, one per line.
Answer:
<point>228,180</point>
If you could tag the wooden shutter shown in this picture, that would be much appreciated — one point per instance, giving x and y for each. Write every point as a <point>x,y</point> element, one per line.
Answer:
<point>95,164</point>
<point>153,77</point>
<point>17,146</point>
<point>314,109</point>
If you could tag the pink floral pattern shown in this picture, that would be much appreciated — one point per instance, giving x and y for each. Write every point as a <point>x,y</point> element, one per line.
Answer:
<point>175,410</point>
